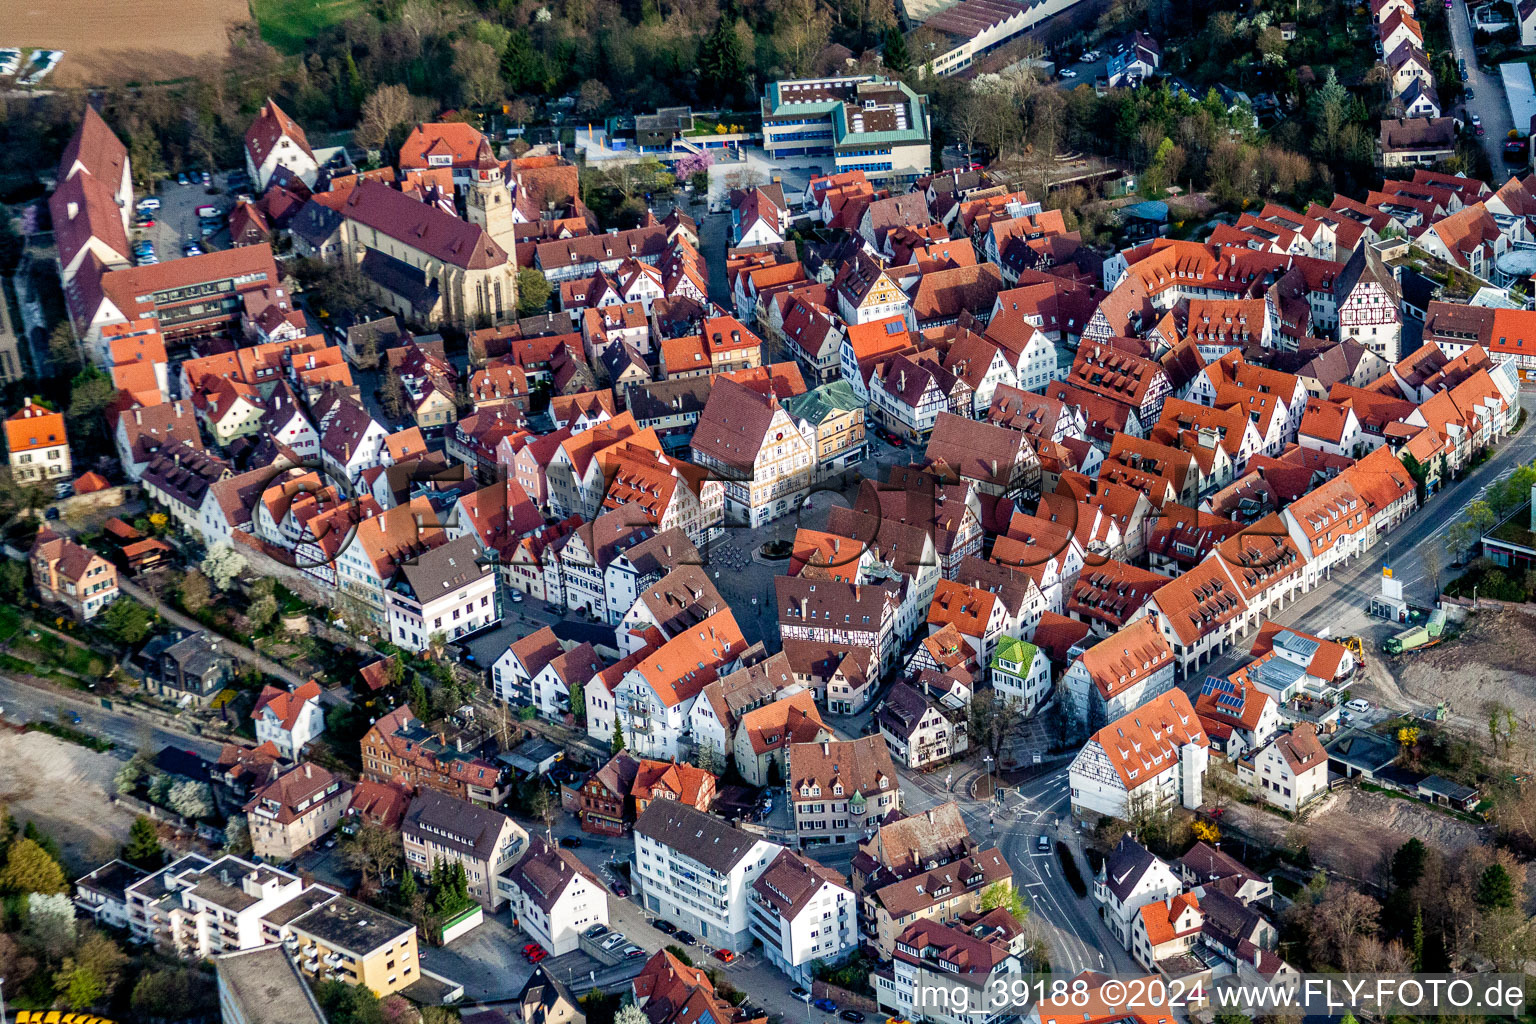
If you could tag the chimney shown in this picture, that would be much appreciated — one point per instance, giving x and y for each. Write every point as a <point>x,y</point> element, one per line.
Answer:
<point>307,772</point>
<point>138,417</point>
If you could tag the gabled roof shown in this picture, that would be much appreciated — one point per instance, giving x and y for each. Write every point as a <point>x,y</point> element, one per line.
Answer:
<point>286,705</point>
<point>422,226</point>
<point>271,126</point>
<point>1134,653</point>
<point>1146,742</point>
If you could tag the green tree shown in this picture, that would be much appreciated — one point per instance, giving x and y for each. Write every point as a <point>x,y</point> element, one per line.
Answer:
<point>63,350</point>
<point>348,1004</point>
<point>261,613</point>
<point>90,973</point>
<point>618,737</point>
<point>127,622</point>
<point>1006,896</point>
<point>578,701</point>
<point>13,580</point>
<point>720,61</point>
<point>523,65</point>
<point>1416,941</point>
<point>143,846</point>
<point>1495,889</point>
<point>408,887</point>
<point>90,392</point>
<point>1408,864</point>
<point>28,868</point>
<point>175,992</point>
<point>533,292</point>
<point>897,56</point>
<point>1480,518</point>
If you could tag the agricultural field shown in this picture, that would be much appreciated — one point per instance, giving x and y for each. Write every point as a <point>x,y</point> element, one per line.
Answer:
<point>110,41</point>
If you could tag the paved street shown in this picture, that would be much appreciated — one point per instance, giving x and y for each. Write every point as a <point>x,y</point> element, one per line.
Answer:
<point>1070,926</point>
<point>130,729</point>
<point>1344,602</point>
<point>1488,101</point>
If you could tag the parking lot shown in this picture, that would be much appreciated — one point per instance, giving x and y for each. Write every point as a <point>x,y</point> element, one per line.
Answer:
<point>176,222</point>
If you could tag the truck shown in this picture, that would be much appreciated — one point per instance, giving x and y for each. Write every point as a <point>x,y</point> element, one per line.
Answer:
<point>1426,634</point>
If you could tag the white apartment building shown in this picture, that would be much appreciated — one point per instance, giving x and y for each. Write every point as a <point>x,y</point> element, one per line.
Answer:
<point>554,897</point>
<point>694,870</point>
<point>448,590</point>
<point>801,912</point>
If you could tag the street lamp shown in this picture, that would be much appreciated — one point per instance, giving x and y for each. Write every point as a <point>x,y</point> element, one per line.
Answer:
<point>991,788</point>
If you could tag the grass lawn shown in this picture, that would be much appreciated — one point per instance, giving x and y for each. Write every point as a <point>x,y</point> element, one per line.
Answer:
<point>289,24</point>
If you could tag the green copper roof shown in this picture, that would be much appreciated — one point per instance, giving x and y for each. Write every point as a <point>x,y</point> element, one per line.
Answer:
<point>827,400</point>
<point>1012,649</point>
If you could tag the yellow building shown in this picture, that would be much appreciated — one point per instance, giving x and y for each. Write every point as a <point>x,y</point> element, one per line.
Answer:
<point>356,944</point>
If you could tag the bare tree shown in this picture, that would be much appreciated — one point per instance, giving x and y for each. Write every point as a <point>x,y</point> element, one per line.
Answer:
<point>385,110</point>
<point>1430,556</point>
<point>1341,921</point>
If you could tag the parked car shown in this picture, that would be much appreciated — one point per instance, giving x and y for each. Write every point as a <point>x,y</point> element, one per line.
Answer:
<point>897,441</point>
<point>800,994</point>
<point>147,203</point>
<point>725,956</point>
<point>570,842</point>
<point>665,927</point>
<point>537,955</point>
<point>530,947</point>
<point>621,890</point>
<point>143,220</point>
<point>595,931</point>
<point>207,178</point>
<point>1043,844</point>
<point>191,249</point>
<point>825,1005</point>
<point>614,941</point>
<point>182,179</point>
<point>632,951</point>
<point>74,717</point>
<point>686,938</point>
<point>1068,73</point>
<point>852,1016</point>
<point>1358,706</point>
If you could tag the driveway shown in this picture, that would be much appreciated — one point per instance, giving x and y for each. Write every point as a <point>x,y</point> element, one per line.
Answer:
<point>1488,102</point>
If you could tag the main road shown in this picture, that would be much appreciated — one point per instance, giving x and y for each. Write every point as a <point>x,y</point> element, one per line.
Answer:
<point>1343,601</point>
<point>1070,925</point>
<point>129,728</point>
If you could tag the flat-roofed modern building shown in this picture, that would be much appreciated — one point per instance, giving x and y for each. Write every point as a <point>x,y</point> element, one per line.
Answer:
<point>864,122</point>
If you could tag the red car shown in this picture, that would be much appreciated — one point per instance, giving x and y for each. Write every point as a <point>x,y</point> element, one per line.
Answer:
<point>725,956</point>
<point>896,441</point>
<point>536,956</point>
<point>533,949</point>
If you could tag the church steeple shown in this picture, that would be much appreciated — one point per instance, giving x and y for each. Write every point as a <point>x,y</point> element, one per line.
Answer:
<point>488,203</point>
